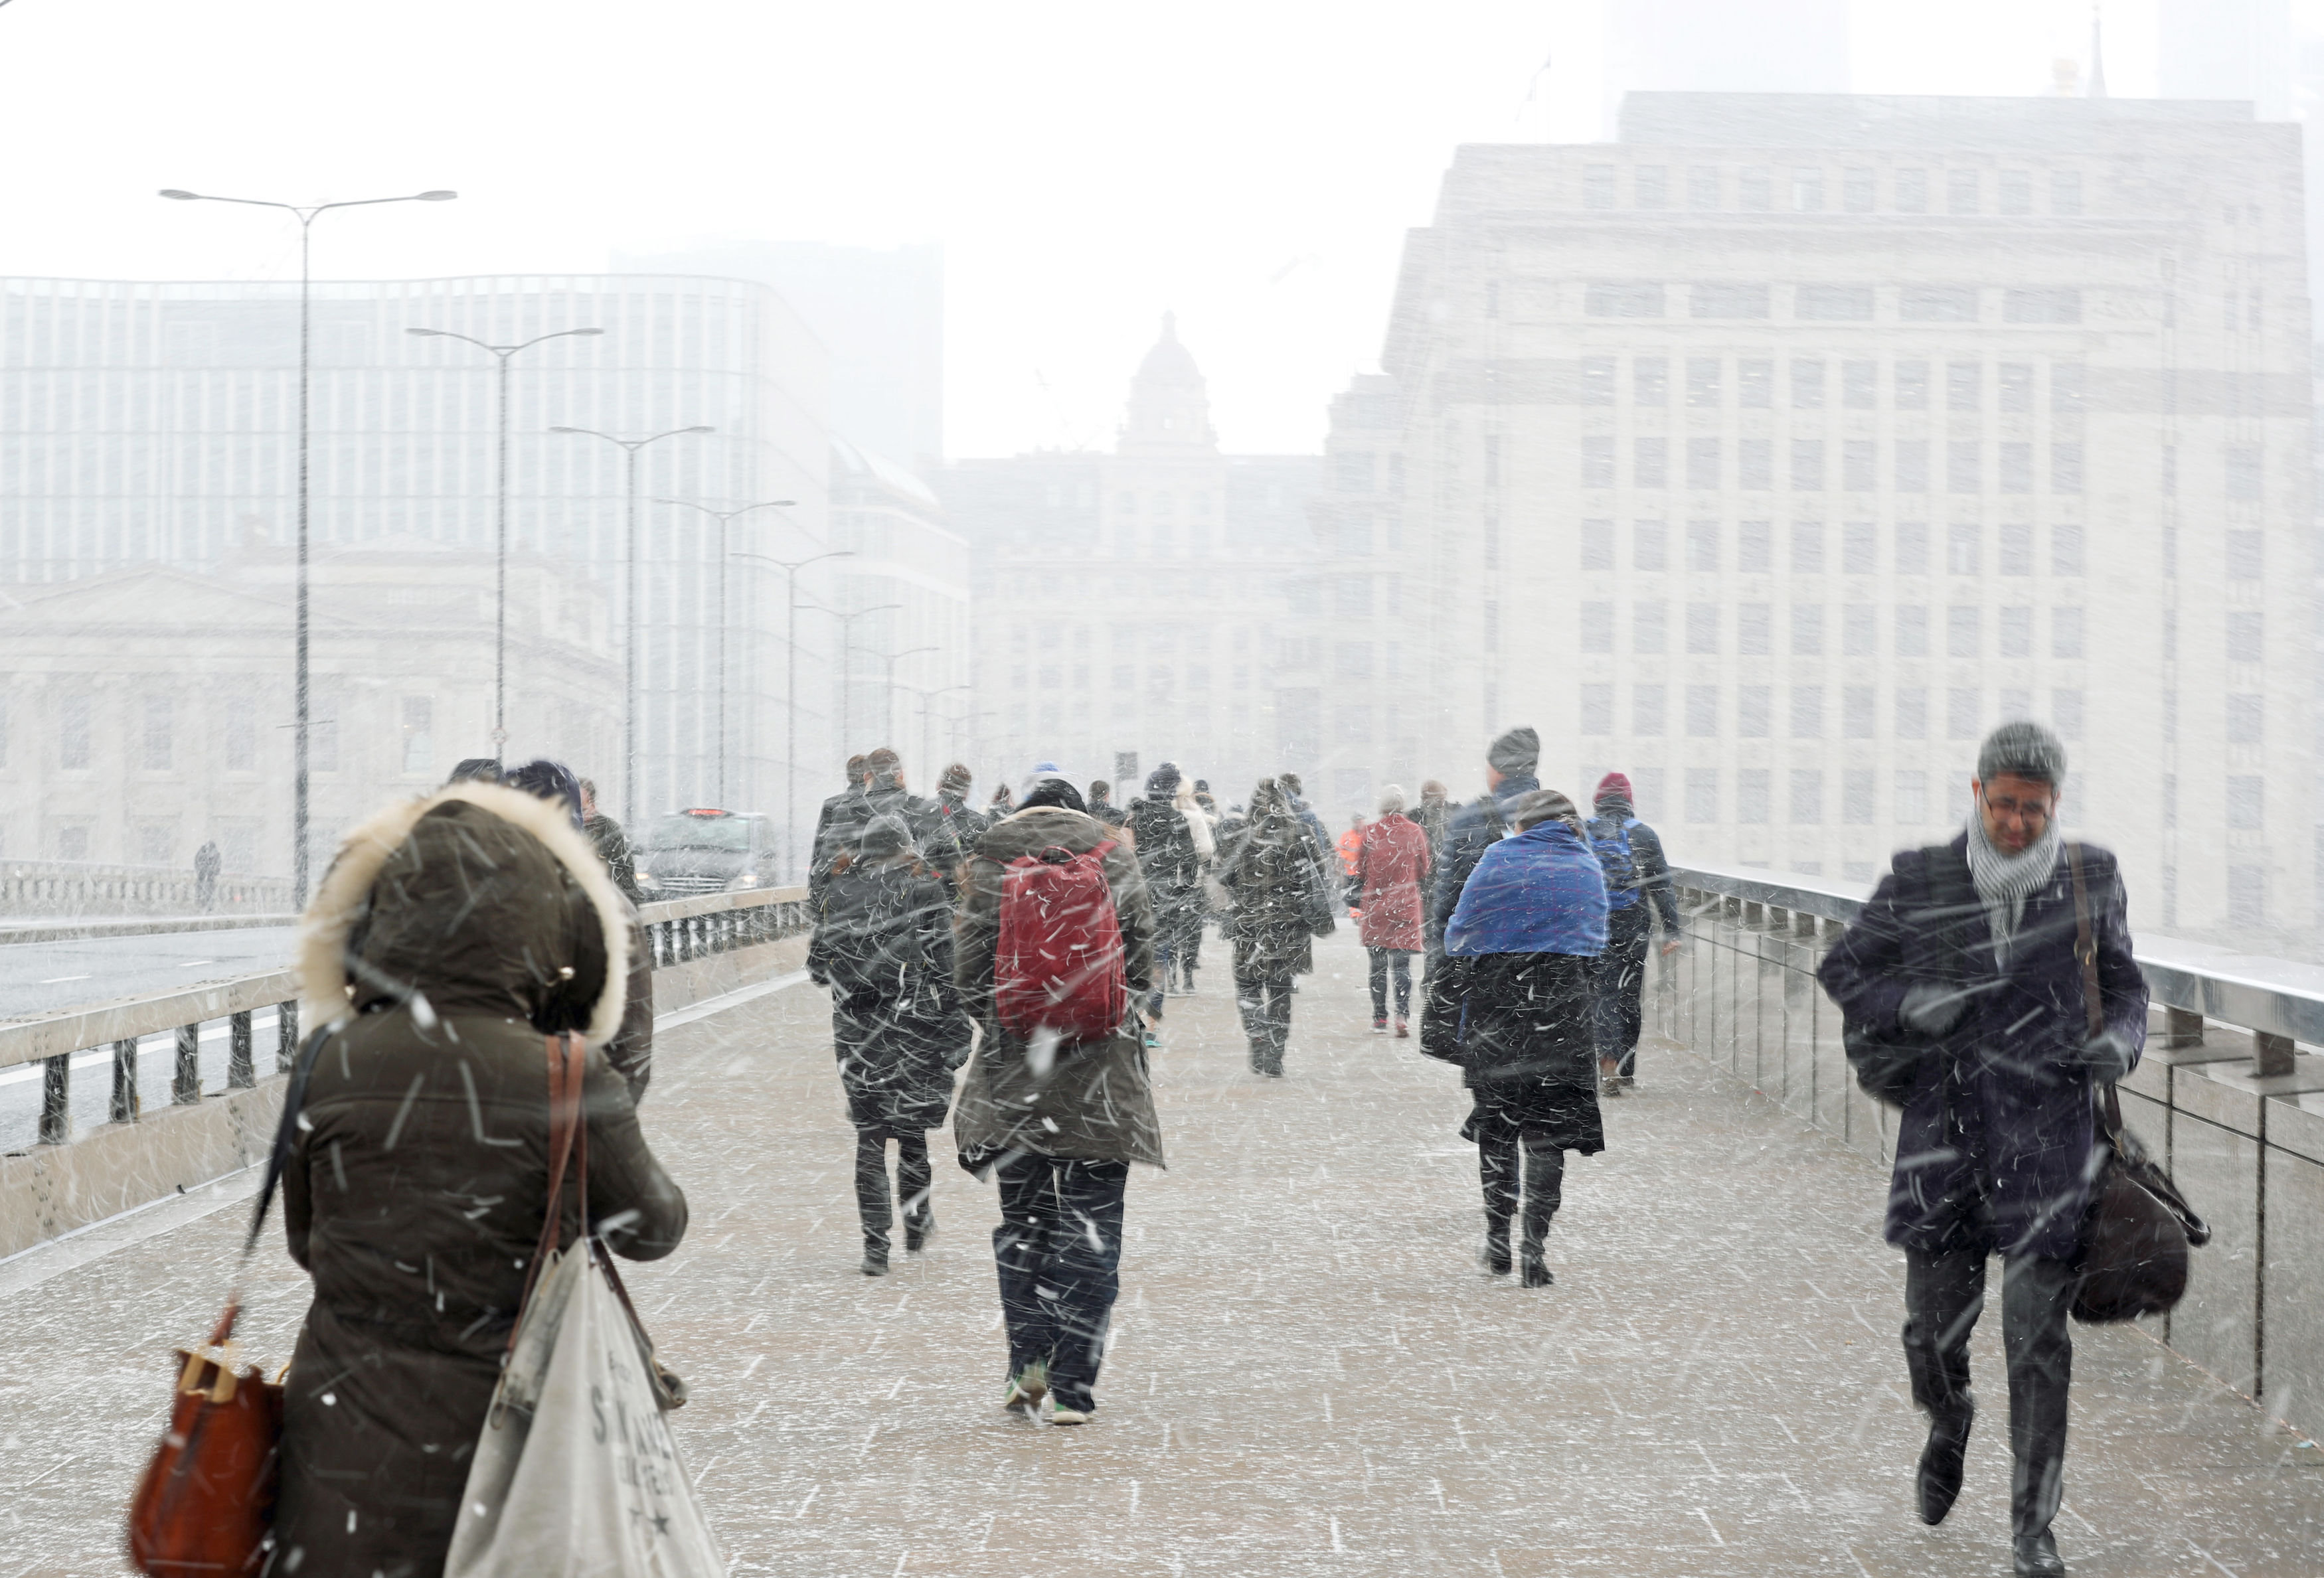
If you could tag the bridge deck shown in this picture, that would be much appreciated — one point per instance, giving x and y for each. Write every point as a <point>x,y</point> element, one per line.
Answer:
<point>1308,1375</point>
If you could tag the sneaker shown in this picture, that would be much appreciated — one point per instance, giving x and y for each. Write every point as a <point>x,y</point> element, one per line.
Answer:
<point>1610,1087</point>
<point>1534,1274</point>
<point>1153,1040</point>
<point>1061,1415</point>
<point>1379,1025</point>
<point>1403,1031</point>
<point>1027,1388</point>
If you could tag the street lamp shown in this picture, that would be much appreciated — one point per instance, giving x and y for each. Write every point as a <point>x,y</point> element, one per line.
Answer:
<point>790,568</point>
<point>846,640</point>
<point>306,215</point>
<point>500,520</point>
<point>630,448</point>
<point>891,658</point>
<point>927,741</point>
<point>721,517</point>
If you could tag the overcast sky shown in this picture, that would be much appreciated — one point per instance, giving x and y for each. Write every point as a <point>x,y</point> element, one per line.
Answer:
<point>1252,165</point>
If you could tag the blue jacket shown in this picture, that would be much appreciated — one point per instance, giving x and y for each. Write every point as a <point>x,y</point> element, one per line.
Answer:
<point>1540,892</point>
<point>1994,1146</point>
<point>1472,831</point>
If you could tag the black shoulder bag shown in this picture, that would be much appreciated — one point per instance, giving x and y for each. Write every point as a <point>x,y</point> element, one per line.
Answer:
<point>1887,1062</point>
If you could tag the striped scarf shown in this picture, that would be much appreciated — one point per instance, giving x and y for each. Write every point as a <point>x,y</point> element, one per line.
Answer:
<point>2004,881</point>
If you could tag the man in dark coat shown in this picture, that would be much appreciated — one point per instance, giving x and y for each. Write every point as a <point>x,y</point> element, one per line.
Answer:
<point>844,806</point>
<point>206,876</point>
<point>1294,792</point>
<point>1173,871</point>
<point>610,843</point>
<point>1969,948</point>
<point>1100,804</point>
<point>1475,828</point>
<point>958,823</point>
<point>1271,871</point>
<point>1638,892</point>
<point>845,817</point>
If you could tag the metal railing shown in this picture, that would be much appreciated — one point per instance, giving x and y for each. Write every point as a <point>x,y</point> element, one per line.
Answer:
<point>678,932</point>
<point>2228,1096</point>
<point>42,889</point>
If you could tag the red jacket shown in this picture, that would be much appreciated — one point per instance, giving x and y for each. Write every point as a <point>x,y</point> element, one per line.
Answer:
<point>1391,866</point>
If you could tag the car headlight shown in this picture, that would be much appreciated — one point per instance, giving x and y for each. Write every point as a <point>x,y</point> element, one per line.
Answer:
<point>744,883</point>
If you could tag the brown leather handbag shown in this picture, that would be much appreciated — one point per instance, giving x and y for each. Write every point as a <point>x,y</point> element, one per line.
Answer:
<point>2138,1228</point>
<point>206,1500</point>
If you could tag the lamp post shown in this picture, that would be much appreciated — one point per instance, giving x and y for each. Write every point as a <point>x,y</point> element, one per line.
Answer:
<point>500,520</point>
<point>630,448</point>
<point>790,568</point>
<point>846,638</point>
<point>721,517</point>
<point>927,742</point>
<point>891,658</point>
<point>306,215</point>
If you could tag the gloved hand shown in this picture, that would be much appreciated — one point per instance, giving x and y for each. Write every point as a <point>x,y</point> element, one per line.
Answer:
<point>1930,1009</point>
<point>2107,1056</point>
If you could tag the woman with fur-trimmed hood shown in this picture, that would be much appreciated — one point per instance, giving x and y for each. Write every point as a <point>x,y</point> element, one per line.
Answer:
<point>451,938</point>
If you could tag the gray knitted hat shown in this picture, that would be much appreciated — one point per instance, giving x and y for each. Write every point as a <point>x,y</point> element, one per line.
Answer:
<point>2025,749</point>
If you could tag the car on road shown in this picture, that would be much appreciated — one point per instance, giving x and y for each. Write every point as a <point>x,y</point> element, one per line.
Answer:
<point>705,850</point>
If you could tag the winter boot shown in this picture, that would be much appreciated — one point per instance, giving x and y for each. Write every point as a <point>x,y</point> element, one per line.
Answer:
<point>2035,1555</point>
<point>919,1227</point>
<point>1495,1256</point>
<point>1939,1480</point>
<point>875,1257</point>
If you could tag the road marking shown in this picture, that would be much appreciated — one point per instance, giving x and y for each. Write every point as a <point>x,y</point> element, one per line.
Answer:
<point>59,979</point>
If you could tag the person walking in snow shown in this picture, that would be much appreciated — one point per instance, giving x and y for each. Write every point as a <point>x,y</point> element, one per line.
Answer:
<point>1172,868</point>
<point>1475,828</point>
<point>1186,948</point>
<point>1637,891</point>
<point>1275,874</point>
<point>1390,871</point>
<point>1512,1004</point>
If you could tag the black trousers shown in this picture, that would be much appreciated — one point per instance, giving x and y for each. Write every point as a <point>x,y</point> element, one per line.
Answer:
<point>1499,1154</point>
<point>1266,1004</point>
<point>914,1181</point>
<point>1943,1297</point>
<point>1385,961</point>
<point>1619,984</point>
<point>1059,1252</point>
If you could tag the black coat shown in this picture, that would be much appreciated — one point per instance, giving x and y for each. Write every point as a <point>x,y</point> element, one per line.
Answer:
<point>883,944</point>
<point>1993,1149</point>
<point>1528,1053</point>
<point>844,817</point>
<point>1167,859</point>
<point>1269,872</point>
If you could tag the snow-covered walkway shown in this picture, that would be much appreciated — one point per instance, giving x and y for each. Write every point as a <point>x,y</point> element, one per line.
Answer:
<point>1308,1373</point>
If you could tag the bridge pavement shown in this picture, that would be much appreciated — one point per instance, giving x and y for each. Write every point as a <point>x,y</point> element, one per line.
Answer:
<point>1307,1375</point>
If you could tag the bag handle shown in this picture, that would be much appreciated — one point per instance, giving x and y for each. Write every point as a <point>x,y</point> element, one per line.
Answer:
<point>2086,949</point>
<point>277,1161</point>
<point>567,1133</point>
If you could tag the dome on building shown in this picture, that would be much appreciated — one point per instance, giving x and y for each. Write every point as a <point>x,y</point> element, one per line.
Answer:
<point>1169,400</point>
<point>1168,362</point>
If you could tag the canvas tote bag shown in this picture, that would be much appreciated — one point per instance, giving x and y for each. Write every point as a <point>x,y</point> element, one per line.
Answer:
<point>576,1473</point>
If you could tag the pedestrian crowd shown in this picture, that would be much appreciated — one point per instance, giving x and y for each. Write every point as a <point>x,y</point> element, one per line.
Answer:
<point>1010,968</point>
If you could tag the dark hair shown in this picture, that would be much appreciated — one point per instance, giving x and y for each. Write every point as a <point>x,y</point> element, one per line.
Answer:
<point>548,780</point>
<point>956,778</point>
<point>1099,790</point>
<point>475,770</point>
<point>1054,791</point>
<point>1290,782</point>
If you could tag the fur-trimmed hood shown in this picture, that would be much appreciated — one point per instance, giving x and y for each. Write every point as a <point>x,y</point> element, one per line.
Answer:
<point>490,900</point>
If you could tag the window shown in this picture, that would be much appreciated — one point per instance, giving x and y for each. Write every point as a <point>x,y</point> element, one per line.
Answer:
<point>1597,460</point>
<point>2066,381</point>
<point>1964,386</point>
<point>1647,627</point>
<point>1859,548</point>
<point>2016,704</point>
<point>1647,545</point>
<point>419,746</point>
<point>1961,191</point>
<point>1807,385</point>
<point>2015,632</point>
<point>1912,547</point>
<point>1754,465</point>
<point>1807,712</point>
<point>1754,552</point>
<point>1963,623</point>
<point>1702,629</point>
<point>1646,711</point>
<point>1807,190</point>
<point>1964,468</point>
<point>2066,468</point>
<point>2066,193</point>
<point>1911,798</point>
<point>1702,466</point>
<point>1856,796</point>
<point>1752,796</point>
<point>2246,802</point>
<point>1597,709</point>
<point>2066,550</point>
<point>2247,896</point>
<point>2059,304</point>
<point>1596,545</point>
<point>1650,462</point>
<point>1961,549</point>
<point>2242,471</point>
<point>2244,643</point>
<point>1650,380</point>
<point>1702,546</point>
<point>239,740</point>
<point>2065,633</point>
<point>1755,191</point>
<point>1807,548</point>
<point>1911,386</point>
<point>1807,796</point>
<point>1702,711</point>
<point>1833,303</point>
<point>1962,714</point>
<point>1754,709</point>
<point>1597,185</point>
<point>1859,460</point>
<point>1911,466</point>
<point>1937,304</point>
<point>1352,597</point>
<point>2016,549</point>
<point>1353,471</point>
<point>1651,183</point>
<point>1597,380</point>
<point>1703,373</point>
<point>1702,794</point>
<point>1755,383</point>
<point>2245,718</point>
<point>2243,555</point>
<point>1807,629</point>
<point>1727,300</point>
<point>1125,503</point>
<point>1856,712</point>
<point>1859,631</point>
<point>1855,188</point>
<point>1807,466</point>
<point>1859,385</point>
<point>1911,628</point>
<point>2066,713</point>
<point>72,733</point>
<point>1912,191</point>
<point>2017,191</point>
<point>1623,299</point>
<point>1912,717</point>
<point>1596,627</point>
<point>155,751</point>
<point>1754,625</point>
<point>1702,187</point>
<point>2016,467</point>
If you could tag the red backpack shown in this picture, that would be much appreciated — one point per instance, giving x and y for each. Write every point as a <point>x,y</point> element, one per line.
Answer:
<point>1060,964</point>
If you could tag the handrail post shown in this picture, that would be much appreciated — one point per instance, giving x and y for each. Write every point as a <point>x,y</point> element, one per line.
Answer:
<point>56,1099</point>
<point>240,1073</point>
<point>286,1036</point>
<point>186,1080</point>
<point>128,1104</point>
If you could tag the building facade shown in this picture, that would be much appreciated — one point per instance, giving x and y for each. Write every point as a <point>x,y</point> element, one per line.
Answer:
<point>155,424</point>
<point>1161,602</point>
<point>1775,452</point>
<point>902,609</point>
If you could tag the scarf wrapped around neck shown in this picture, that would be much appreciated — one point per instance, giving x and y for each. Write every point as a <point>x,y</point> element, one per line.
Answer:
<point>2005,880</point>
